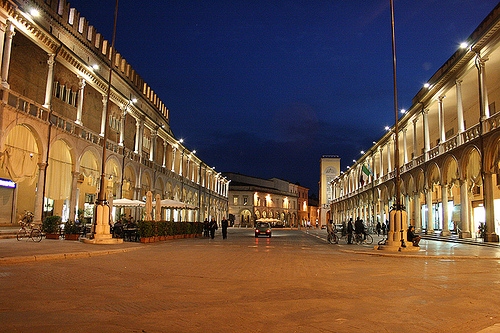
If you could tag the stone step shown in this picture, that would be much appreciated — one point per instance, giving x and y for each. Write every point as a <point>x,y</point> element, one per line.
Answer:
<point>455,239</point>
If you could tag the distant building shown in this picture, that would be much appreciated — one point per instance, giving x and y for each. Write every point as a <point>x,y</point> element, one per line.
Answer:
<point>329,170</point>
<point>274,200</point>
<point>313,209</point>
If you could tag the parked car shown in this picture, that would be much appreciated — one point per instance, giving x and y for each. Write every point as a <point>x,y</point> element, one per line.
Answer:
<point>263,228</point>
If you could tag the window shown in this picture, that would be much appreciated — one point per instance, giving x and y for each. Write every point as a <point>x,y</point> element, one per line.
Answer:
<point>245,200</point>
<point>235,200</point>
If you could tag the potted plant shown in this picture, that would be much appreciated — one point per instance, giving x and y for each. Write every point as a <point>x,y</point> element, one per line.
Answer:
<point>50,226</point>
<point>146,231</point>
<point>71,231</point>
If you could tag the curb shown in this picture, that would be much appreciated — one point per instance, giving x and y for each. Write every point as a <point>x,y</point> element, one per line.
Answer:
<point>421,256</point>
<point>59,256</point>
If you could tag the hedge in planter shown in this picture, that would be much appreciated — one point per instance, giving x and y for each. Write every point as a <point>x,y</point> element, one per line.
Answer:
<point>50,226</point>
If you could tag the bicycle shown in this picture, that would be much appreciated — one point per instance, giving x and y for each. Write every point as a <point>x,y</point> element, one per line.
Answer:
<point>28,229</point>
<point>363,239</point>
<point>332,238</point>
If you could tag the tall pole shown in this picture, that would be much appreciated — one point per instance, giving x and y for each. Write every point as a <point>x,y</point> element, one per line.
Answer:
<point>397,216</point>
<point>396,129</point>
<point>102,233</point>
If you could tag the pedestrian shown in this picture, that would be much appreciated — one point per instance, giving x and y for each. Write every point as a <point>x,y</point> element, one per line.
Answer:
<point>379,228</point>
<point>224,225</point>
<point>206,228</point>
<point>213,227</point>
<point>350,229</point>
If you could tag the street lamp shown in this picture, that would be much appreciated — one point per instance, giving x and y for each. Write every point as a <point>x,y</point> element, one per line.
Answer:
<point>102,214</point>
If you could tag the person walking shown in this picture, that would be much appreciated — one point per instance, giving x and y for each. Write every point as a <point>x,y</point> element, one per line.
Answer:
<point>350,229</point>
<point>224,225</point>
<point>213,227</point>
<point>379,228</point>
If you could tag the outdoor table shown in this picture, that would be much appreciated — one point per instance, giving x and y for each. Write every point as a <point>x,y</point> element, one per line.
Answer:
<point>130,234</point>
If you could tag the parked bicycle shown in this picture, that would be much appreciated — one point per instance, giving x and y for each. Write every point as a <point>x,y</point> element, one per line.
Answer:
<point>356,239</point>
<point>28,229</point>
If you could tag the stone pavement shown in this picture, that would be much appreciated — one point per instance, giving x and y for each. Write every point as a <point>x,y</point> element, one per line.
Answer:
<point>13,251</point>
<point>293,282</point>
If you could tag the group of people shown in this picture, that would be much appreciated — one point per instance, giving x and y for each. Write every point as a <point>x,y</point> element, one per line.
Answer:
<point>118,229</point>
<point>359,229</point>
<point>209,228</point>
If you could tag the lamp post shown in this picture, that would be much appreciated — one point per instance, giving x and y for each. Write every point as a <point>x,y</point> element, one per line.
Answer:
<point>102,233</point>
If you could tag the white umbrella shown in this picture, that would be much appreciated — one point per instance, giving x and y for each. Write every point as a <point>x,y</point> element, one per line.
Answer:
<point>127,203</point>
<point>149,205</point>
<point>174,204</point>
<point>158,208</point>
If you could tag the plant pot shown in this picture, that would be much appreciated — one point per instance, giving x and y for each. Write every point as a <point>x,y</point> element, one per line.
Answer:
<point>52,236</point>
<point>71,236</point>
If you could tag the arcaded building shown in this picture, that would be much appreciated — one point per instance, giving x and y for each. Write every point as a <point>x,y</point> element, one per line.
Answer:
<point>449,150</point>
<point>273,200</point>
<point>54,116</point>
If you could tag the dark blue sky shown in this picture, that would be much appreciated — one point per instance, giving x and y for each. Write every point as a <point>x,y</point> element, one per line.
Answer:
<point>265,88</point>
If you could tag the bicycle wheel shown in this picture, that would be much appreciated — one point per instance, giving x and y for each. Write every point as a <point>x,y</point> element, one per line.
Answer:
<point>36,235</point>
<point>21,234</point>
<point>369,239</point>
<point>335,239</point>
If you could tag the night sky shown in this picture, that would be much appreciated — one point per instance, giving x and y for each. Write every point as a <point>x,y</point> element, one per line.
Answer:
<point>264,88</point>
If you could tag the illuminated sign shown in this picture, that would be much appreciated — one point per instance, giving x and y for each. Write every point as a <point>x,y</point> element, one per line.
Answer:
<point>7,183</point>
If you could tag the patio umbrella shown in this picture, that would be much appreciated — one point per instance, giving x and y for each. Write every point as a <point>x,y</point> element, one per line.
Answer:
<point>127,203</point>
<point>158,208</point>
<point>149,205</point>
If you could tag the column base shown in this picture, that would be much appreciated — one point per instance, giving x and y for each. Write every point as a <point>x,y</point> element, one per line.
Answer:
<point>464,234</point>
<point>398,248</point>
<point>429,232</point>
<point>445,233</point>
<point>491,238</point>
<point>103,240</point>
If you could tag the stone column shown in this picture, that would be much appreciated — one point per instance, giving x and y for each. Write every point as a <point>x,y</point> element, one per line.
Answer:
<point>442,133</point>
<point>39,195</point>
<point>74,197</point>
<point>79,105</point>
<point>122,127</point>
<point>7,51</point>
<point>405,150</point>
<point>389,164</point>
<point>3,27</point>
<point>481,68</point>
<point>427,142</point>
<point>430,213</point>
<point>174,150</point>
<point>137,136</point>
<point>460,111</point>
<point>103,114</point>
<point>491,235</point>
<point>417,211</point>
<point>164,158</point>
<point>464,209</point>
<point>50,81</point>
<point>381,150</point>
<point>152,147</point>
<point>415,149</point>
<point>444,202</point>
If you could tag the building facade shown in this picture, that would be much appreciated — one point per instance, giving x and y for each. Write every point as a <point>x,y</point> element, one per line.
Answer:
<point>273,200</point>
<point>329,166</point>
<point>448,143</point>
<point>57,110</point>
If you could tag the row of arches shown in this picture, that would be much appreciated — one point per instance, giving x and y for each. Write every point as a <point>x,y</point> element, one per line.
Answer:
<point>455,192</point>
